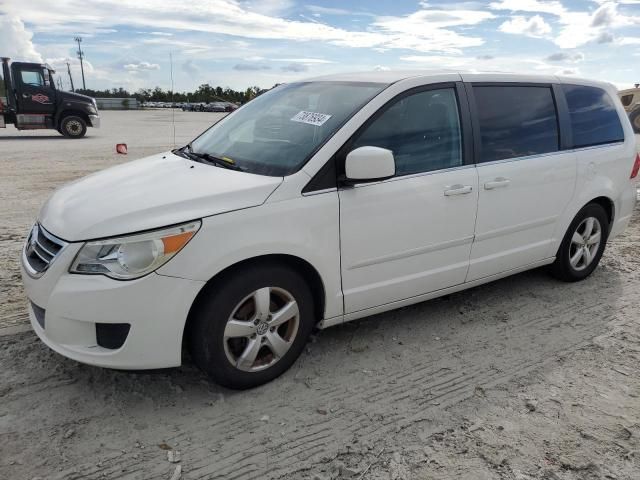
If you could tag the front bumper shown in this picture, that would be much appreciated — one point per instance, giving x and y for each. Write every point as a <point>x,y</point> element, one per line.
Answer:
<point>95,121</point>
<point>155,307</point>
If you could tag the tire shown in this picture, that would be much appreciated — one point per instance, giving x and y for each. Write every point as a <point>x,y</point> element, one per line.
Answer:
<point>578,256</point>
<point>634,117</point>
<point>73,126</point>
<point>227,325</point>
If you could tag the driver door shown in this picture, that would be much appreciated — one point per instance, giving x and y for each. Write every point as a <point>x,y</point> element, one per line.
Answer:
<point>36,95</point>
<point>411,234</point>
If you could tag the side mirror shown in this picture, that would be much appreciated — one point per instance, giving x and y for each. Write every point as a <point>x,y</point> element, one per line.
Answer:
<point>368,164</point>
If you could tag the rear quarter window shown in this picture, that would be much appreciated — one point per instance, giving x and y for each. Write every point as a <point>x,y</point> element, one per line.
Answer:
<point>594,118</point>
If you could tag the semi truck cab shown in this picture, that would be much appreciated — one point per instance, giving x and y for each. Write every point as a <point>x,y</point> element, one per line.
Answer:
<point>30,101</point>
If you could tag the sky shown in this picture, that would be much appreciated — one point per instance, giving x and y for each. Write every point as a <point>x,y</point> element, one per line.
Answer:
<point>241,43</point>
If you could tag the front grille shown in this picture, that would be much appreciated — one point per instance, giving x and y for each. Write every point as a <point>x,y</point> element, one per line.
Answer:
<point>41,250</point>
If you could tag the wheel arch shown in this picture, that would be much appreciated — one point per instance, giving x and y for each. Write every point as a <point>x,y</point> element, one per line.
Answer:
<point>308,271</point>
<point>71,111</point>
<point>607,204</point>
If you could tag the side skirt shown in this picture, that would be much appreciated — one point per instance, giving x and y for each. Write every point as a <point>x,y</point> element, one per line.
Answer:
<point>330,322</point>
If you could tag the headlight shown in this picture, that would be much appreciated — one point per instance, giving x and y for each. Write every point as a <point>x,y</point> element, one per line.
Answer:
<point>133,256</point>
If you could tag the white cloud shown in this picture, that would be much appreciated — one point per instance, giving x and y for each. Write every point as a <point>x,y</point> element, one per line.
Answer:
<point>269,7</point>
<point>531,27</point>
<point>295,67</point>
<point>306,61</point>
<point>568,72</point>
<point>553,7</point>
<point>190,68</point>
<point>565,57</point>
<point>576,27</point>
<point>15,40</point>
<point>141,67</point>
<point>426,30</point>
<point>250,67</point>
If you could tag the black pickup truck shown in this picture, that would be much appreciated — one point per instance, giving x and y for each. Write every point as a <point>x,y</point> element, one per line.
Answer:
<point>30,101</point>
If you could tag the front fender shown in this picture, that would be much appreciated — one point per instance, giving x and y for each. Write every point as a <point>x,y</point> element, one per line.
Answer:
<point>305,227</point>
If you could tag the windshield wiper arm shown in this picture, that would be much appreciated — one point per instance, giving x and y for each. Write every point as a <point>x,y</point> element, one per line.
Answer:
<point>219,162</point>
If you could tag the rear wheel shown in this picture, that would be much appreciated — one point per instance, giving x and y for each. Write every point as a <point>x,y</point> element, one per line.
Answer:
<point>73,126</point>
<point>251,326</point>
<point>583,244</point>
<point>635,119</point>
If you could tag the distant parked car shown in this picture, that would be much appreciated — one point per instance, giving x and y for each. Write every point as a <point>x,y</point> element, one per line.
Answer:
<point>216,107</point>
<point>630,99</point>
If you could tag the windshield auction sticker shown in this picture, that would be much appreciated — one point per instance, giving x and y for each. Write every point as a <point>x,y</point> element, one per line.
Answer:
<point>312,118</point>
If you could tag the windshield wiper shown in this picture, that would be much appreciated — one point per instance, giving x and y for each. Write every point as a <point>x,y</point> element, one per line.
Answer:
<point>187,152</point>
<point>218,162</point>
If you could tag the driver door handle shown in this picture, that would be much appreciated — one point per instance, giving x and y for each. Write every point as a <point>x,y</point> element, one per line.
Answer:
<point>25,95</point>
<point>458,190</point>
<point>497,183</point>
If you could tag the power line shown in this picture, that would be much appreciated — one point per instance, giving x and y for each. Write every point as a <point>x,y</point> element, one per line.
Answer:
<point>81,56</point>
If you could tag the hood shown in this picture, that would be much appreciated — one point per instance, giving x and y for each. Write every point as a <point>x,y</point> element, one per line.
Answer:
<point>149,193</point>
<point>74,97</point>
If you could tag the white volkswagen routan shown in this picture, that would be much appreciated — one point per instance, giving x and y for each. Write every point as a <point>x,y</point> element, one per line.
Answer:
<point>324,201</point>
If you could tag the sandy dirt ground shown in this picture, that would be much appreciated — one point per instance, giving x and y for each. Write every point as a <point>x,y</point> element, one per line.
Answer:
<point>524,378</point>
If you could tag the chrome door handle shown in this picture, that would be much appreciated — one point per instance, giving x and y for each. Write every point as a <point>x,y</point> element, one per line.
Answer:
<point>497,183</point>
<point>458,190</point>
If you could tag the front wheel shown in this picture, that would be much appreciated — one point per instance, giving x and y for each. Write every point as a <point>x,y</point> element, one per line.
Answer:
<point>73,127</point>
<point>583,244</point>
<point>251,326</point>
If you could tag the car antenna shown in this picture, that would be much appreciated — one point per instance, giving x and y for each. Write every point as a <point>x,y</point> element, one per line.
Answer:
<point>173,110</point>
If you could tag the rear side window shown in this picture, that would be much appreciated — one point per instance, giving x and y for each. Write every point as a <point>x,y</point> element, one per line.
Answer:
<point>516,121</point>
<point>594,119</point>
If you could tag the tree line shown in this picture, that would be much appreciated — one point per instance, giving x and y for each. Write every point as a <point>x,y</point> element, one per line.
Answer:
<point>204,93</point>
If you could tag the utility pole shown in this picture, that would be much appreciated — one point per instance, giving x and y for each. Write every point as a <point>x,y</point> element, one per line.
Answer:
<point>81,56</point>
<point>70,77</point>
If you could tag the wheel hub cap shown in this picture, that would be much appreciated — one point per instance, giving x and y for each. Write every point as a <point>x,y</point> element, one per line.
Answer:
<point>262,328</point>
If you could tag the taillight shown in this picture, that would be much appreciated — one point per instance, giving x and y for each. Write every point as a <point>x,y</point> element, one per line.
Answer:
<point>636,167</point>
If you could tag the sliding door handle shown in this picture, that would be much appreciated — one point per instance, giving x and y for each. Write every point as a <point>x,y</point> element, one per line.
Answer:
<point>458,190</point>
<point>497,183</point>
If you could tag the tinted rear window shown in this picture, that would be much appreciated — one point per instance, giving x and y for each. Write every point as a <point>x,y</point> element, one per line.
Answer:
<point>516,121</point>
<point>594,119</point>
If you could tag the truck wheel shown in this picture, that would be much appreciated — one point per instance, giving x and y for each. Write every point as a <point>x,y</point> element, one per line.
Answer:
<point>635,120</point>
<point>73,127</point>
<point>251,326</point>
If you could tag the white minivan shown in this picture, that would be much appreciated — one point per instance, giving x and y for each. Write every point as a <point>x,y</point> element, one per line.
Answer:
<point>324,201</point>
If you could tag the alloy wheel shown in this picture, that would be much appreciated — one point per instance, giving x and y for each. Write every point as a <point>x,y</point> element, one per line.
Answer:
<point>585,243</point>
<point>261,329</point>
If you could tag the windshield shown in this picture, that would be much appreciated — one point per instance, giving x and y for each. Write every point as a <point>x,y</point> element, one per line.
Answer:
<point>276,133</point>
